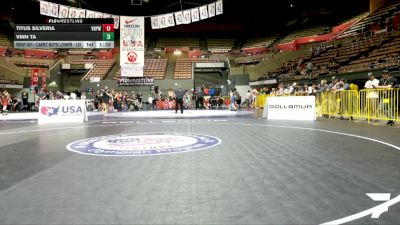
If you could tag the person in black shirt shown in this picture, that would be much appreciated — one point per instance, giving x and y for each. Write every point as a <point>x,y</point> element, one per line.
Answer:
<point>387,82</point>
<point>25,103</point>
<point>179,99</point>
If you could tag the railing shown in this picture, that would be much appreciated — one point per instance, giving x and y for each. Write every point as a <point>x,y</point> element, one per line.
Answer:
<point>368,104</point>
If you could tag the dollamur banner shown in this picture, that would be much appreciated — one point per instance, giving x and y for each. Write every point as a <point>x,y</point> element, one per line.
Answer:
<point>132,46</point>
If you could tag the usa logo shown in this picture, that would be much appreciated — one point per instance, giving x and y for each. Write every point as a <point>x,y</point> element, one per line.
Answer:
<point>49,111</point>
<point>139,144</point>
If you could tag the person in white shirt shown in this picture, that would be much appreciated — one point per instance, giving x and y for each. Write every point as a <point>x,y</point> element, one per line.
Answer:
<point>372,95</point>
<point>73,95</point>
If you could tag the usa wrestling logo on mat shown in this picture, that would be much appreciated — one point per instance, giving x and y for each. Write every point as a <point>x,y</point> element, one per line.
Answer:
<point>137,144</point>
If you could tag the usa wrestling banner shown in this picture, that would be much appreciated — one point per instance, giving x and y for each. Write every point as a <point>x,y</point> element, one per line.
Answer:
<point>34,77</point>
<point>132,46</point>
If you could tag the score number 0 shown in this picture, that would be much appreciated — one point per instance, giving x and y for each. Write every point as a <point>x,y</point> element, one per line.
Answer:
<point>108,32</point>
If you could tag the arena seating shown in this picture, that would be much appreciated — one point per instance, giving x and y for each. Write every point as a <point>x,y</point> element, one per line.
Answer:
<point>383,57</point>
<point>178,42</point>
<point>220,45</point>
<point>303,33</point>
<point>29,62</point>
<point>379,17</point>
<point>4,42</point>
<point>6,80</point>
<point>358,54</point>
<point>183,68</point>
<point>263,42</point>
<point>100,67</point>
<point>253,59</point>
<point>155,68</point>
<point>79,51</point>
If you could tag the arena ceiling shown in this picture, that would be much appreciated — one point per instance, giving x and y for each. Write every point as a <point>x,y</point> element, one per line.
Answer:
<point>249,15</point>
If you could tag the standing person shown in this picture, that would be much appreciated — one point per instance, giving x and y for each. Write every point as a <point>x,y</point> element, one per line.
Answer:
<point>5,98</point>
<point>238,99</point>
<point>372,96</point>
<point>104,100</point>
<point>387,82</point>
<point>25,103</point>
<point>199,98</point>
<point>179,93</point>
<point>233,100</point>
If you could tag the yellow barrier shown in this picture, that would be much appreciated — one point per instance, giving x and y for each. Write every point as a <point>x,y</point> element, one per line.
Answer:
<point>260,101</point>
<point>379,104</point>
<point>370,104</point>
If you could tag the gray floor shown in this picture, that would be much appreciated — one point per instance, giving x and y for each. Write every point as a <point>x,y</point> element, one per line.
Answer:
<point>263,172</point>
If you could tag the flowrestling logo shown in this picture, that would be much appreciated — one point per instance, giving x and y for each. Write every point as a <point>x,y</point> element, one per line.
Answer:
<point>137,144</point>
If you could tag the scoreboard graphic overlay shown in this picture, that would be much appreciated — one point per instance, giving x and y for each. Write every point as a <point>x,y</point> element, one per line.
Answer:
<point>66,33</point>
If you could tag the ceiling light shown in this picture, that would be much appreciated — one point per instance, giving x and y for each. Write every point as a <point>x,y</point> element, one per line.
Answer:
<point>177,52</point>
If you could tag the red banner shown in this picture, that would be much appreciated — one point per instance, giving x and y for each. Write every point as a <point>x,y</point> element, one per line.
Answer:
<point>44,85</point>
<point>35,77</point>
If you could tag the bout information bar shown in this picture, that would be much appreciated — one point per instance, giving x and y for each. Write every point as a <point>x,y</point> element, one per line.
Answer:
<point>63,44</point>
<point>78,33</point>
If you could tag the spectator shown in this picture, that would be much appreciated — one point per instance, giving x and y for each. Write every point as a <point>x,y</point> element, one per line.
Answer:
<point>385,83</point>
<point>372,96</point>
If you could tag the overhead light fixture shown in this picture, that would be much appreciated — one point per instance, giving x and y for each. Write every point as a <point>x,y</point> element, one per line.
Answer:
<point>136,2</point>
<point>177,52</point>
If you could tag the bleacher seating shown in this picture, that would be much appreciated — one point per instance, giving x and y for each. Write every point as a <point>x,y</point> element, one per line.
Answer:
<point>178,42</point>
<point>79,51</point>
<point>385,56</point>
<point>376,18</point>
<point>303,33</point>
<point>4,42</point>
<point>361,54</point>
<point>183,67</point>
<point>220,45</point>
<point>100,67</point>
<point>263,42</point>
<point>29,62</point>
<point>6,80</point>
<point>155,68</point>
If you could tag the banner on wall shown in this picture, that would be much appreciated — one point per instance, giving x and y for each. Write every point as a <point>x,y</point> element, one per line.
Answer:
<point>63,13</point>
<point>98,15</point>
<point>170,20</point>
<point>72,12</point>
<point>195,14</point>
<point>211,10</point>
<point>187,18</point>
<point>154,23</point>
<point>34,77</point>
<point>179,18</point>
<point>44,75</point>
<point>132,46</point>
<point>203,12</point>
<point>81,13</point>
<point>89,14</point>
<point>116,21</point>
<point>48,9</point>
<point>157,22</point>
<point>218,8</point>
